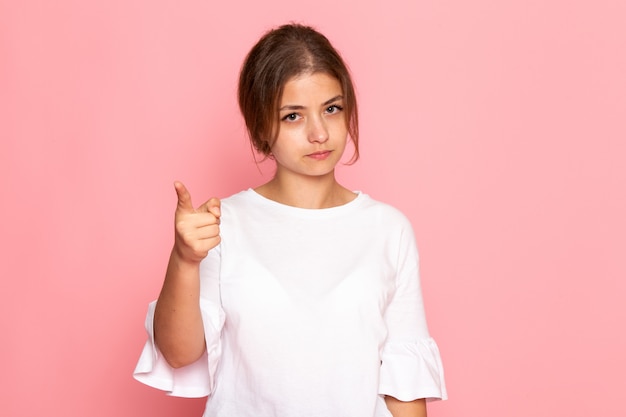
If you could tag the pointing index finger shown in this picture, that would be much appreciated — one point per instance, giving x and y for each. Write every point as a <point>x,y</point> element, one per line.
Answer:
<point>184,198</point>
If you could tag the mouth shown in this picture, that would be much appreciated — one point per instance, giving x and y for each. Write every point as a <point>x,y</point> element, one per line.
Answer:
<point>319,155</point>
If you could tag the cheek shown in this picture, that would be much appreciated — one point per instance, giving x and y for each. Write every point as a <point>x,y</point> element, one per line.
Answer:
<point>287,140</point>
<point>339,130</point>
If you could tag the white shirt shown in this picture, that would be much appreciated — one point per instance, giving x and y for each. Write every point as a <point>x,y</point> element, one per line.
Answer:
<point>307,313</point>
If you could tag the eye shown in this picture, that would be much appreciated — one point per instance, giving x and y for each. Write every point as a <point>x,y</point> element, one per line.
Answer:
<point>291,117</point>
<point>335,108</point>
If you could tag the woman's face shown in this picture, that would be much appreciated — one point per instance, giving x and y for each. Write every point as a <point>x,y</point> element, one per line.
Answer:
<point>312,129</point>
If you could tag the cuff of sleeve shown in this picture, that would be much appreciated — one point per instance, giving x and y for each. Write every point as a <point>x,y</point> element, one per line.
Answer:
<point>194,380</point>
<point>412,370</point>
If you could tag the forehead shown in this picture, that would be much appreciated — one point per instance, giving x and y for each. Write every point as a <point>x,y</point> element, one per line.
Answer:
<point>311,87</point>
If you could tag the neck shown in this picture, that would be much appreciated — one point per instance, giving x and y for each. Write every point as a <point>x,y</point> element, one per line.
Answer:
<point>306,192</point>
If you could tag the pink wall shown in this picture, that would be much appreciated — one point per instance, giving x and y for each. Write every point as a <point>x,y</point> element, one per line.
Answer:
<point>498,127</point>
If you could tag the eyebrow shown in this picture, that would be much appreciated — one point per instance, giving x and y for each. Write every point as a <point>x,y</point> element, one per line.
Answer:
<point>299,107</point>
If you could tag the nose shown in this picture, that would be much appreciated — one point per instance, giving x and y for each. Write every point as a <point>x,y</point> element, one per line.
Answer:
<point>317,130</point>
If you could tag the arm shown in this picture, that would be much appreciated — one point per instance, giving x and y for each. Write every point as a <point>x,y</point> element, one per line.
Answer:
<point>411,367</point>
<point>178,328</point>
<point>416,408</point>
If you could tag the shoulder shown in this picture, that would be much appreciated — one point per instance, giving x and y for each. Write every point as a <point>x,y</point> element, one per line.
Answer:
<point>241,199</point>
<point>391,227</point>
<point>384,212</point>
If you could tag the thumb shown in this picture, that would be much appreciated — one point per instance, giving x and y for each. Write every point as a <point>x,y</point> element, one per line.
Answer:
<point>214,205</point>
<point>184,198</point>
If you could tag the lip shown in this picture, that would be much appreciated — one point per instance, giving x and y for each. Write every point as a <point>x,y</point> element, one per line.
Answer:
<point>319,155</point>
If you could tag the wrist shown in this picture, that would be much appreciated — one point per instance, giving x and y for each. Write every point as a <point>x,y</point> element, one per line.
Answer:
<point>182,260</point>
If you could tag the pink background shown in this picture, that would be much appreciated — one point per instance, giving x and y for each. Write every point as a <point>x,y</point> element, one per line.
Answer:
<point>498,127</point>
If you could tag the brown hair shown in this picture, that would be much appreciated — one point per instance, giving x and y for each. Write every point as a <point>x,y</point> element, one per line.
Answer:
<point>280,55</point>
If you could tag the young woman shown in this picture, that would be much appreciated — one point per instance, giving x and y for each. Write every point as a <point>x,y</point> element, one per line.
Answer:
<point>300,297</point>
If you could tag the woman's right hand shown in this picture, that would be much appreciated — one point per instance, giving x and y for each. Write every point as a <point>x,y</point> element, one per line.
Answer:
<point>197,230</point>
<point>178,326</point>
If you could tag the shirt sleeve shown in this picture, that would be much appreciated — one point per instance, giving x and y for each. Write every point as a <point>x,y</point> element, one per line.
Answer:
<point>198,378</point>
<point>411,364</point>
